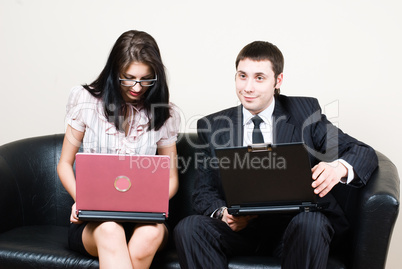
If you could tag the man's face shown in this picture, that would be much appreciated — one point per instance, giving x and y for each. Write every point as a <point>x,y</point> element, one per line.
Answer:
<point>255,84</point>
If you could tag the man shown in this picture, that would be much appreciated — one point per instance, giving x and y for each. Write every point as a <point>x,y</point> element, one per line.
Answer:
<point>301,240</point>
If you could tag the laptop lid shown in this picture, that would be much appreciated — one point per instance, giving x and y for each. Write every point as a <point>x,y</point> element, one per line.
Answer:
<point>122,187</point>
<point>266,178</point>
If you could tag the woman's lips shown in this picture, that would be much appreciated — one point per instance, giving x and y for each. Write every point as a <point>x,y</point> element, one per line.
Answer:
<point>134,93</point>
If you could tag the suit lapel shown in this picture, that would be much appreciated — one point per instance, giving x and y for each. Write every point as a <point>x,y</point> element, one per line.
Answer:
<point>238,127</point>
<point>282,129</point>
<point>230,131</point>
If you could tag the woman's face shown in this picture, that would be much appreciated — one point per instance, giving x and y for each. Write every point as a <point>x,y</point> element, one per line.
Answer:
<point>134,73</point>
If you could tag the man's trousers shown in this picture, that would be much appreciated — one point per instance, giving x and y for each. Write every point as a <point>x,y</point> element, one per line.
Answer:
<point>301,241</point>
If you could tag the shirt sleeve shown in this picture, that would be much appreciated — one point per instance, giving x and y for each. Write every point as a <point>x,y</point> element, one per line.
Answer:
<point>171,128</point>
<point>351,174</point>
<point>78,101</point>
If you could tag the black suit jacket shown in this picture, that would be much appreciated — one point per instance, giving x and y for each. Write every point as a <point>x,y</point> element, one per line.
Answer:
<point>295,119</point>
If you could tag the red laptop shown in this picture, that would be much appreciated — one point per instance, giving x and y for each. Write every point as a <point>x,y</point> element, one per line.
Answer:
<point>122,187</point>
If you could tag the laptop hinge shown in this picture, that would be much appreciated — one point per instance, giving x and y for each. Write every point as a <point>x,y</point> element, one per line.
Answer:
<point>305,207</point>
<point>259,147</point>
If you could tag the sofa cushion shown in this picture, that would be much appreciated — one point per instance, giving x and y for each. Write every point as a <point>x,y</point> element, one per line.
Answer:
<point>40,247</point>
<point>168,260</point>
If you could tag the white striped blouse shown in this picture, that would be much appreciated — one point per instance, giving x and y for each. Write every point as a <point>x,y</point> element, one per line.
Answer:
<point>85,113</point>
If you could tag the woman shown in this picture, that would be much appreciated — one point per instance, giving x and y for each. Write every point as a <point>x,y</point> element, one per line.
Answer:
<point>126,110</point>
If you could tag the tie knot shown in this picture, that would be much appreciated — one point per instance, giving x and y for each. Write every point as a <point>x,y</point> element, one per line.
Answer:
<point>256,120</point>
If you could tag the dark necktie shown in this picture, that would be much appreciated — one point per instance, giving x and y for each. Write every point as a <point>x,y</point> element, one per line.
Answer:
<point>257,135</point>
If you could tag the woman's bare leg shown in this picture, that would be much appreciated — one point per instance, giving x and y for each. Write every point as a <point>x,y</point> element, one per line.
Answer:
<point>107,240</point>
<point>145,242</point>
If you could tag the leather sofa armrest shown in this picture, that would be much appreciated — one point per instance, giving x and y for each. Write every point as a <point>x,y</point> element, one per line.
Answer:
<point>30,191</point>
<point>378,208</point>
<point>10,203</point>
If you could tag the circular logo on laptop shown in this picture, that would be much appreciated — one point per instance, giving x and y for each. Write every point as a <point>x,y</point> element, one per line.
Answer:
<point>122,183</point>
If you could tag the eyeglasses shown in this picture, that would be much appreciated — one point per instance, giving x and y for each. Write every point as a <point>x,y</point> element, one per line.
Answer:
<point>133,82</point>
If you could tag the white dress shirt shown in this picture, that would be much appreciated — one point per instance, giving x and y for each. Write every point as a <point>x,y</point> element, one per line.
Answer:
<point>265,126</point>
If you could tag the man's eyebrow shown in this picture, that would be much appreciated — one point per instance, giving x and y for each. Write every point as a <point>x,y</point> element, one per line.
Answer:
<point>255,74</point>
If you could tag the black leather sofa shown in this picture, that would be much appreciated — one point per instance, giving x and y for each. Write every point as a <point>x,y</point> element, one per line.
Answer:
<point>35,209</point>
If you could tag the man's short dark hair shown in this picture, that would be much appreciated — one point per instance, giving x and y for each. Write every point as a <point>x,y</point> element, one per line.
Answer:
<point>262,51</point>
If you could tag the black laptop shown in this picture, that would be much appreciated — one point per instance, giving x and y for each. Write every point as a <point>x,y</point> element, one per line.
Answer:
<point>265,178</point>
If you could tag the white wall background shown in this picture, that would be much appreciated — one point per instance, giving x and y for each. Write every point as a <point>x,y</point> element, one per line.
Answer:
<point>345,53</point>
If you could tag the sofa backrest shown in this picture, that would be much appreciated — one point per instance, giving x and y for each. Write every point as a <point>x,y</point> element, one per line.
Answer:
<point>31,192</point>
<point>181,204</point>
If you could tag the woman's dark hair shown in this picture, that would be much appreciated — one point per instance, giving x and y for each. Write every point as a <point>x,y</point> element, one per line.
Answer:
<point>262,51</point>
<point>132,46</point>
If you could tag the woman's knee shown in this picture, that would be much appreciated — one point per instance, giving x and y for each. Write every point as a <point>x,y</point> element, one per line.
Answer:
<point>106,236</point>
<point>151,233</point>
<point>109,232</point>
<point>146,240</point>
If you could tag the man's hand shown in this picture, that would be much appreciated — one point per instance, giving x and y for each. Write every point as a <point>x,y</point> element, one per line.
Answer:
<point>236,223</point>
<point>326,176</point>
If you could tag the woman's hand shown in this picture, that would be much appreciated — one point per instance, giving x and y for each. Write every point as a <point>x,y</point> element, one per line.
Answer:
<point>74,215</point>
